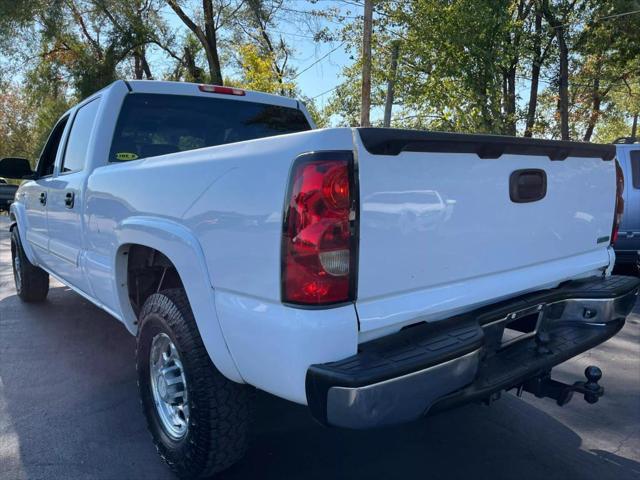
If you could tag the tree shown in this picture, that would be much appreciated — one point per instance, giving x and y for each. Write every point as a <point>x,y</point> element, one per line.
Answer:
<point>214,18</point>
<point>558,18</point>
<point>257,73</point>
<point>609,48</point>
<point>15,123</point>
<point>456,63</point>
<point>259,21</point>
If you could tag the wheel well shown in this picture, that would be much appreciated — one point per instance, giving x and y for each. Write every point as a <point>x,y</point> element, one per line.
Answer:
<point>148,272</point>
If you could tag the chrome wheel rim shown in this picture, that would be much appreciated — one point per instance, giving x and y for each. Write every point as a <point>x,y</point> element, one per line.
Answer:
<point>169,387</point>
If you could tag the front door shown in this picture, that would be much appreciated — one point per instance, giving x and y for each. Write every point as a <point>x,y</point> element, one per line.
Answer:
<point>66,202</point>
<point>36,195</point>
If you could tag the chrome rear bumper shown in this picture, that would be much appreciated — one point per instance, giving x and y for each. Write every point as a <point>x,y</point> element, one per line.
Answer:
<point>432,367</point>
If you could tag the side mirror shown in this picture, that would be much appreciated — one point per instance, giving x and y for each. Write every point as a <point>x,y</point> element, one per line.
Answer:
<point>15,167</point>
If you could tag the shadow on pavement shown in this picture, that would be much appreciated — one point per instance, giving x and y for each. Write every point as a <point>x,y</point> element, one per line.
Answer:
<point>69,397</point>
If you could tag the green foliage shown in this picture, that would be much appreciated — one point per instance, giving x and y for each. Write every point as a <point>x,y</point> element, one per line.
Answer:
<point>257,72</point>
<point>15,123</point>
<point>465,65</point>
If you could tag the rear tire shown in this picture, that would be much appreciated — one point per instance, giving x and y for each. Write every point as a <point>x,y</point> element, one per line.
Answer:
<point>212,434</point>
<point>32,283</point>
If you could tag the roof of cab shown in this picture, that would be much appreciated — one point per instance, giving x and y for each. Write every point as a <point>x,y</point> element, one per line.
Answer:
<point>185,88</point>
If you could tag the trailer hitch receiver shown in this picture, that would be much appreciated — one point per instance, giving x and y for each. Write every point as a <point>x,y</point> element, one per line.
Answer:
<point>544,386</point>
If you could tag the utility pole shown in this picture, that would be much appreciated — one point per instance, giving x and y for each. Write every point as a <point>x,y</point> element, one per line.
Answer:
<point>395,49</point>
<point>365,107</point>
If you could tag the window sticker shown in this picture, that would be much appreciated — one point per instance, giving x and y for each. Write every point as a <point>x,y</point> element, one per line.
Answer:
<point>126,156</point>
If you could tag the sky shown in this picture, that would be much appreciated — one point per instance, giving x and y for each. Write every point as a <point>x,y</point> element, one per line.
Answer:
<point>325,74</point>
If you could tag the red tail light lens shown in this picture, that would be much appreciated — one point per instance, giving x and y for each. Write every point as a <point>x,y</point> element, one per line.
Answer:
<point>223,90</point>
<point>617,217</point>
<point>318,241</point>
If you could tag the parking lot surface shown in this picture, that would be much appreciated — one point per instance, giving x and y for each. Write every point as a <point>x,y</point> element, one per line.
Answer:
<point>69,409</point>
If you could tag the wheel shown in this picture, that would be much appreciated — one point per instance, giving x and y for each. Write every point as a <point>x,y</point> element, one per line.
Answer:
<point>32,283</point>
<point>199,419</point>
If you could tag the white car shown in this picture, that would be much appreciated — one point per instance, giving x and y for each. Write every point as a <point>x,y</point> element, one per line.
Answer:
<point>227,234</point>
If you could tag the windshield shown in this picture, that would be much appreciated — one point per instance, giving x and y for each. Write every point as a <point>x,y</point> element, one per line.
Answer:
<point>152,124</point>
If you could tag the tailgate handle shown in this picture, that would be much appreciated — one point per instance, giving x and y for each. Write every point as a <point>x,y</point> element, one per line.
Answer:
<point>528,185</point>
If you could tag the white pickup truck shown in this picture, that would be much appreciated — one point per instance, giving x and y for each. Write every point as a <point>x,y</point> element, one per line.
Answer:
<point>375,275</point>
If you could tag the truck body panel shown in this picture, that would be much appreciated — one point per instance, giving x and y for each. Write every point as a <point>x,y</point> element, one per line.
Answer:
<point>438,232</point>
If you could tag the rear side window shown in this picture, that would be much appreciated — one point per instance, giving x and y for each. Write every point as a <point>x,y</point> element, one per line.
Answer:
<point>75,154</point>
<point>153,124</point>
<point>635,168</point>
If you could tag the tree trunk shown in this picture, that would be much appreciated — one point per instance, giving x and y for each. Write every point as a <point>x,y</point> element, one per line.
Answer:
<point>195,74</point>
<point>511,101</point>
<point>505,93</point>
<point>395,49</point>
<point>365,108</point>
<point>595,110</point>
<point>563,73</point>
<point>535,76</point>
<point>137,66</point>
<point>211,44</point>
<point>140,65</point>
<point>634,126</point>
<point>145,66</point>
<point>207,38</point>
<point>563,89</point>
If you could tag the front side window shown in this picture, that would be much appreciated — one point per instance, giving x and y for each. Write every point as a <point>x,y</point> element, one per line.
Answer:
<point>50,150</point>
<point>152,124</point>
<point>75,154</point>
<point>635,168</point>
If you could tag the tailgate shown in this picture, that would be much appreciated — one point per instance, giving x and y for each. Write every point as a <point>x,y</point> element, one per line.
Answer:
<point>441,233</point>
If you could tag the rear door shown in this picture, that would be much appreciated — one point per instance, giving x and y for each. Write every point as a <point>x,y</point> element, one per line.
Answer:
<point>65,202</point>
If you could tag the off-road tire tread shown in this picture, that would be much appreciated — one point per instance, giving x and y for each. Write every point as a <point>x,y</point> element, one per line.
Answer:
<point>221,438</point>
<point>35,281</point>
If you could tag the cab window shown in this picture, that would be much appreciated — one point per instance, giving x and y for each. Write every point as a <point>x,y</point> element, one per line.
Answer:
<point>154,124</point>
<point>50,150</point>
<point>635,168</point>
<point>75,155</point>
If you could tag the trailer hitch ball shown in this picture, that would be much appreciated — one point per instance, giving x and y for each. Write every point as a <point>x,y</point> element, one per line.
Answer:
<point>592,391</point>
<point>545,386</point>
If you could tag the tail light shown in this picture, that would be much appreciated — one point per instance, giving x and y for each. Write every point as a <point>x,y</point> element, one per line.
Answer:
<point>222,90</point>
<point>617,217</point>
<point>319,230</point>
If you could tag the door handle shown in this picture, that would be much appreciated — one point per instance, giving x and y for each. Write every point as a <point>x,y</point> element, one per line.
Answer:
<point>69,199</point>
<point>528,185</point>
<point>43,198</point>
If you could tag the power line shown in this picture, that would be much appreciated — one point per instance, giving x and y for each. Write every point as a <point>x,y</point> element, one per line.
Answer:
<point>619,15</point>
<point>292,34</point>
<point>595,20</point>
<point>328,91</point>
<point>315,13</point>
<point>318,60</point>
<point>418,115</point>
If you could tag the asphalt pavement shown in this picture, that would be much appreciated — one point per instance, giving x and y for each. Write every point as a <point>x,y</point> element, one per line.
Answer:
<point>69,410</point>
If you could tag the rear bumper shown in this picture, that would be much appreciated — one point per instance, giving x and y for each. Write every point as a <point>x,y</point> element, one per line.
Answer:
<point>432,367</point>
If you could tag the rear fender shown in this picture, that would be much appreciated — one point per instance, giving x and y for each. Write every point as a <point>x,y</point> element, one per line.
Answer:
<point>181,247</point>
